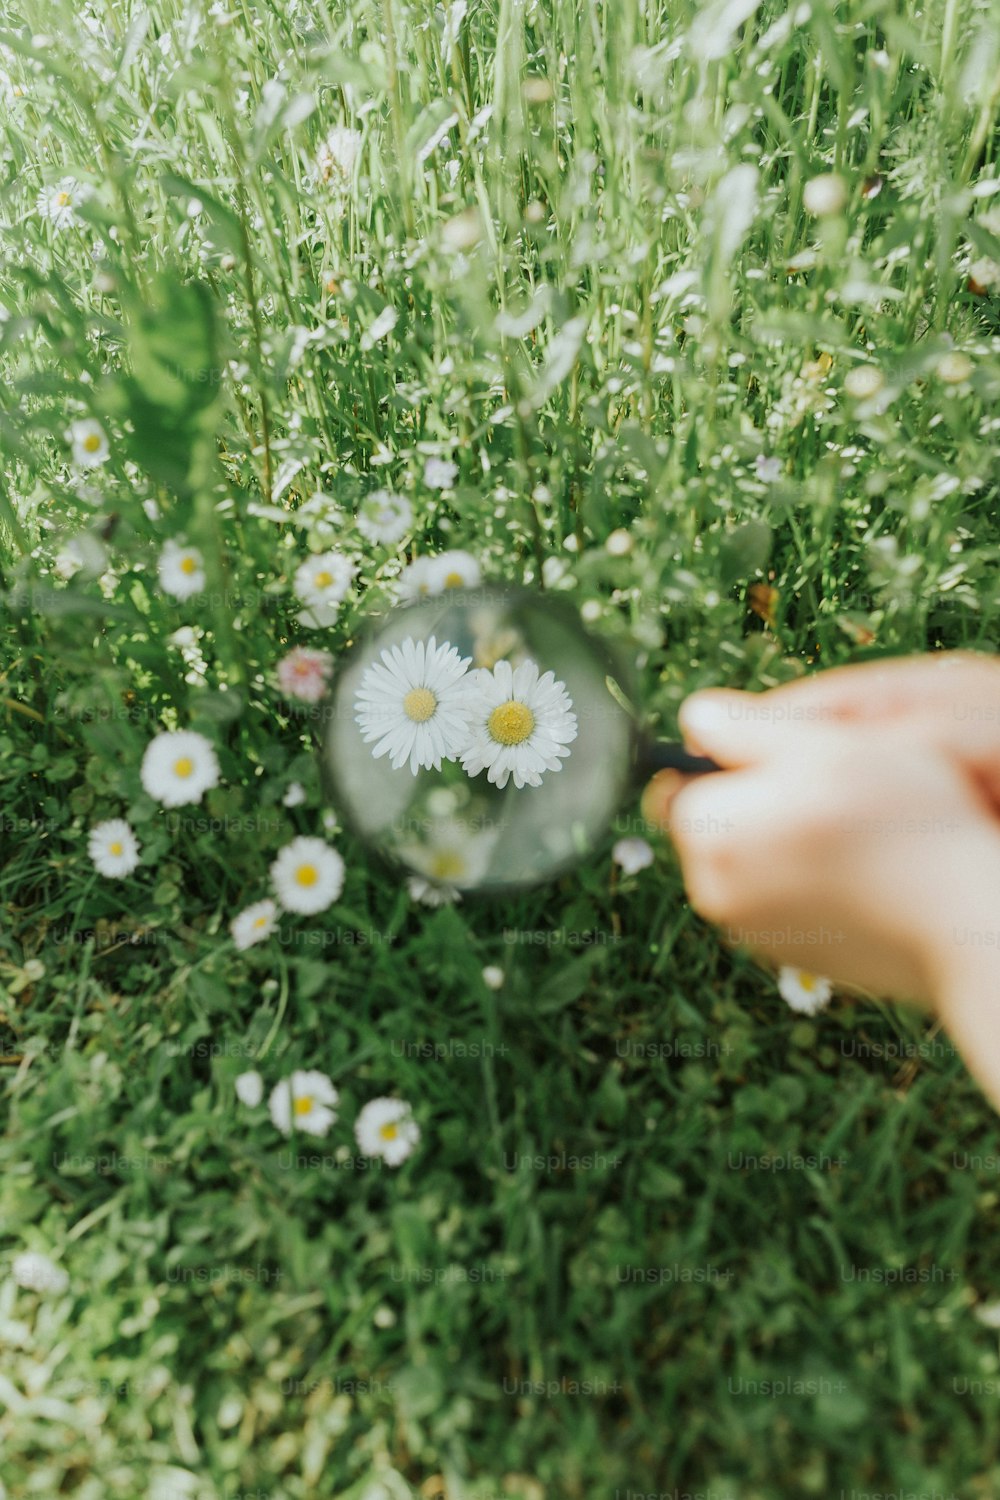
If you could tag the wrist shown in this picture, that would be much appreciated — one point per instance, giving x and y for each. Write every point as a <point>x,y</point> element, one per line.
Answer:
<point>964,963</point>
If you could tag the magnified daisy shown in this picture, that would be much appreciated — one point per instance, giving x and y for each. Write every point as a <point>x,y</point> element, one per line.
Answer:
<point>456,570</point>
<point>321,583</point>
<point>179,767</point>
<point>449,855</point>
<point>181,570</point>
<point>413,703</point>
<point>418,580</point>
<point>520,724</point>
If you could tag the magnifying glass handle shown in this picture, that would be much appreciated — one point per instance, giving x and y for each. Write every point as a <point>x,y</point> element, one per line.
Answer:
<point>664,755</point>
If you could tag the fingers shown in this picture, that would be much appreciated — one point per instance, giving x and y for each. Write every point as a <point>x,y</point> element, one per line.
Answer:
<point>951,700</point>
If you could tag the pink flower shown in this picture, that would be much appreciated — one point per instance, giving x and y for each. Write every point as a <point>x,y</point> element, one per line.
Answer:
<point>303,673</point>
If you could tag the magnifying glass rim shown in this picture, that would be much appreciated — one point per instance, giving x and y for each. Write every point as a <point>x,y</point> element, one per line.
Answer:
<point>491,591</point>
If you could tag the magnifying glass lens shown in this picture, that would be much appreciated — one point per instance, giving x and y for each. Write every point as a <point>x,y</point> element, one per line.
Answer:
<point>472,739</point>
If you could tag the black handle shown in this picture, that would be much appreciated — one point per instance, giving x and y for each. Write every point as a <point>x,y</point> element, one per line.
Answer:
<point>664,755</point>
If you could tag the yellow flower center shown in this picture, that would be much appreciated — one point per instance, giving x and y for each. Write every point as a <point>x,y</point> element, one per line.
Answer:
<point>260,921</point>
<point>389,1131</point>
<point>323,579</point>
<point>447,864</point>
<point>419,704</point>
<point>454,581</point>
<point>307,875</point>
<point>115,848</point>
<point>63,199</point>
<point>511,723</point>
<point>184,766</point>
<point>303,1104</point>
<point>188,564</point>
<point>807,982</point>
<point>92,442</point>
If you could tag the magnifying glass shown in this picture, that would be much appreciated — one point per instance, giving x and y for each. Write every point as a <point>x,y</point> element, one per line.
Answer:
<point>483,739</point>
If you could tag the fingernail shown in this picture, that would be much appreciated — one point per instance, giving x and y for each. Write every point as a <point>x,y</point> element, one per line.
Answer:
<point>659,793</point>
<point>702,713</point>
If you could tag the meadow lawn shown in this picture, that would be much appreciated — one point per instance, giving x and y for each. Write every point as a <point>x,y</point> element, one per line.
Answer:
<point>686,313</point>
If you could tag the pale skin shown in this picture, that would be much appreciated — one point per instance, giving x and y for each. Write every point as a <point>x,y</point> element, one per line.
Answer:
<point>855,832</point>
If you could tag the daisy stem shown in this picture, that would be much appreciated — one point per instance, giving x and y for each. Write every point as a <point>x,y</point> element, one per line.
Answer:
<point>279,1014</point>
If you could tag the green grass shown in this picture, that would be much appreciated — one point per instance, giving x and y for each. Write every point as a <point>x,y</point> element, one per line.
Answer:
<point>587,323</point>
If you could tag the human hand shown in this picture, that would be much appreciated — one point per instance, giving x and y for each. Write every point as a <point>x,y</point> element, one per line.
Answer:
<point>856,831</point>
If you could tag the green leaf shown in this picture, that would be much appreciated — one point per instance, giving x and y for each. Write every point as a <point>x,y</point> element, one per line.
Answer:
<point>744,551</point>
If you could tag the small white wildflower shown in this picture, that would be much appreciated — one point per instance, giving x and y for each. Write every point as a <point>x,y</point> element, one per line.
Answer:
<point>384,518</point>
<point>307,875</point>
<point>254,924</point>
<point>90,442</point>
<point>36,1272</point>
<point>179,767</point>
<point>440,473</point>
<point>386,1128</point>
<point>306,1100</point>
<point>633,854</point>
<point>825,195</point>
<point>250,1088</point>
<point>803,991</point>
<point>181,570</point>
<point>113,848</point>
<point>295,794</point>
<point>493,977</point>
<point>58,204</point>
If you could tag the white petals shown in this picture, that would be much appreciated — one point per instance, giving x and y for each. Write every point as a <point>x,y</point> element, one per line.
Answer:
<point>113,847</point>
<point>305,1101</point>
<point>179,768</point>
<point>307,876</point>
<point>386,1128</point>
<point>803,991</point>
<point>254,924</point>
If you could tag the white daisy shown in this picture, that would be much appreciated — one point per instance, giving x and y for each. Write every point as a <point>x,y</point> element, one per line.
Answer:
<point>632,854</point>
<point>413,704</point>
<point>295,794</point>
<point>35,1271</point>
<point>337,156</point>
<point>306,1100</point>
<point>250,1088</point>
<point>181,570</point>
<point>386,1128</point>
<point>440,473</point>
<point>450,855</point>
<point>90,442</point>
<point>113,847</point>
<point>426,576</point>
<point>425,893</point>
<point>321,583</point>
<point>493,977</point>
<point>418,580</point>
<point>384,517</point>
<point>863,382</point>
<point>58,204</point>
<point>824,195</point>
<point>456,570</point>
<point>307,875</point>
<point>179,767</point>
<point>803,991</point>
<point>254,924</point>
<point>520,724</point>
